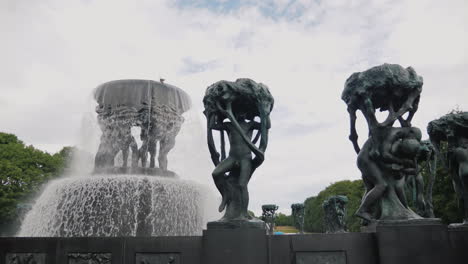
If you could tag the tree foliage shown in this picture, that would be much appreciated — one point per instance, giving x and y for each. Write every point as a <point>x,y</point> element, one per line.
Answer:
<point>313,221</point>
<point>23,169</point>
<point>284,220</point>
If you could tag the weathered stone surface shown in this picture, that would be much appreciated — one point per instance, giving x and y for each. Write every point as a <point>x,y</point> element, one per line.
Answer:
<point>320,257</point>
<point>25,258</point>
<point>228,246</point>
<point>157,258</point>
<point>89,258</point>
<point>410,242</point>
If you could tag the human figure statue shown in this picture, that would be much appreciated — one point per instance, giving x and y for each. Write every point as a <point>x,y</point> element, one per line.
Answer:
<point>240,154</point>
<point>154,107</point>
<point>108,147</point>
<point>422,197</point>
<point>453,130</point>
<point>269,216</point>
<point>388,173</point>
<point>298,214</point>
<point>335,214</point>
<point>162,128</point>
<point>148,145</point>
<point>125,142</point>
<point>232,107</point>
<point>389,156</point>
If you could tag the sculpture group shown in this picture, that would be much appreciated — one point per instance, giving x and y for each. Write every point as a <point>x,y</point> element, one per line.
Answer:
<point>155,108</point>
<point>389,156</point>
<point>391,159</point>
<point>451,132</point>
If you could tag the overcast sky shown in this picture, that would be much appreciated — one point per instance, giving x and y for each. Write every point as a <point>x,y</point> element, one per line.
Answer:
<point>54,52</point>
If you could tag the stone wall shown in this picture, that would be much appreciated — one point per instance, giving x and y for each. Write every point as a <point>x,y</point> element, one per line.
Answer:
<point>399,246</point>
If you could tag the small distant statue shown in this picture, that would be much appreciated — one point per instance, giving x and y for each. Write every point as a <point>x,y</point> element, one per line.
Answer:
<point>390,154</point>
<point>240,103</point>
<point>269,216</point>
<point>298,214</point>
<point>453,130</point>
<point>335,214</point>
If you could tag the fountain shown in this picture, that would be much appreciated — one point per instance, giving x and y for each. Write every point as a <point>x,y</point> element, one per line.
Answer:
<point>128,210</point>
<point>121,200</point>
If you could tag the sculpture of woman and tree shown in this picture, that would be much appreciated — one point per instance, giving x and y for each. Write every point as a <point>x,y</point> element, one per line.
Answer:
<point>234,108</point>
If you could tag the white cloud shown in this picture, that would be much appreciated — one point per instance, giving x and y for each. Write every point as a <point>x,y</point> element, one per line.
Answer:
<point>55,52</point>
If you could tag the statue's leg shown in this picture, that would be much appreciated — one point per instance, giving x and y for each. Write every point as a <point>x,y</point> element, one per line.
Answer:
<point>463,174</point>
<point>244,177</point>
<point>165,146</point>
<point>420,201</point>
<point>152,152</point>
<point>373,175</point>
<point>219,179</point>
<point>143,154</point>
<point>124,156</point>
<point>400,190</point>
<point>134,148</point>
<point>461,177</point>
<point>432,165</point>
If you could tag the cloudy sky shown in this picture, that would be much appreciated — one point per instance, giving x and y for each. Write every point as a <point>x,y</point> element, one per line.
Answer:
<point>53,53</point>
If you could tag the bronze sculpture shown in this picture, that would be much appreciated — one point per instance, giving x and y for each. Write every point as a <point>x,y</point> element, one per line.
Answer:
<point>389,154</point>
<point>422,195</point>
<point>240,102</point>
<point>298,214</point>
<point>334,208</point>
<point>269,215</point>
<point>452,129</point>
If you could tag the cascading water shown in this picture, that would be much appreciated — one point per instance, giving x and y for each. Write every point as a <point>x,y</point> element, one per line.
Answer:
<point>117,205</point>
<point>117,200</point>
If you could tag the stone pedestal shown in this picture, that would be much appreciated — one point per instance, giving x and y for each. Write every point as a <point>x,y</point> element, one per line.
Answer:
<point>237,224</point>
<point>234,246</point>
<point>459,244</point>
<point>413,242</point>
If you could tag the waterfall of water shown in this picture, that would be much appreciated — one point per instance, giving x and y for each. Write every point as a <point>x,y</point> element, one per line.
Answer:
<point>117,205</point>
<point>113,204</point>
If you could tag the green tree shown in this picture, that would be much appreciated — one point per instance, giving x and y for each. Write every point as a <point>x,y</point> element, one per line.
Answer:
<point>283,220</point>
<point>313,221</point>
<point>23,169</point>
